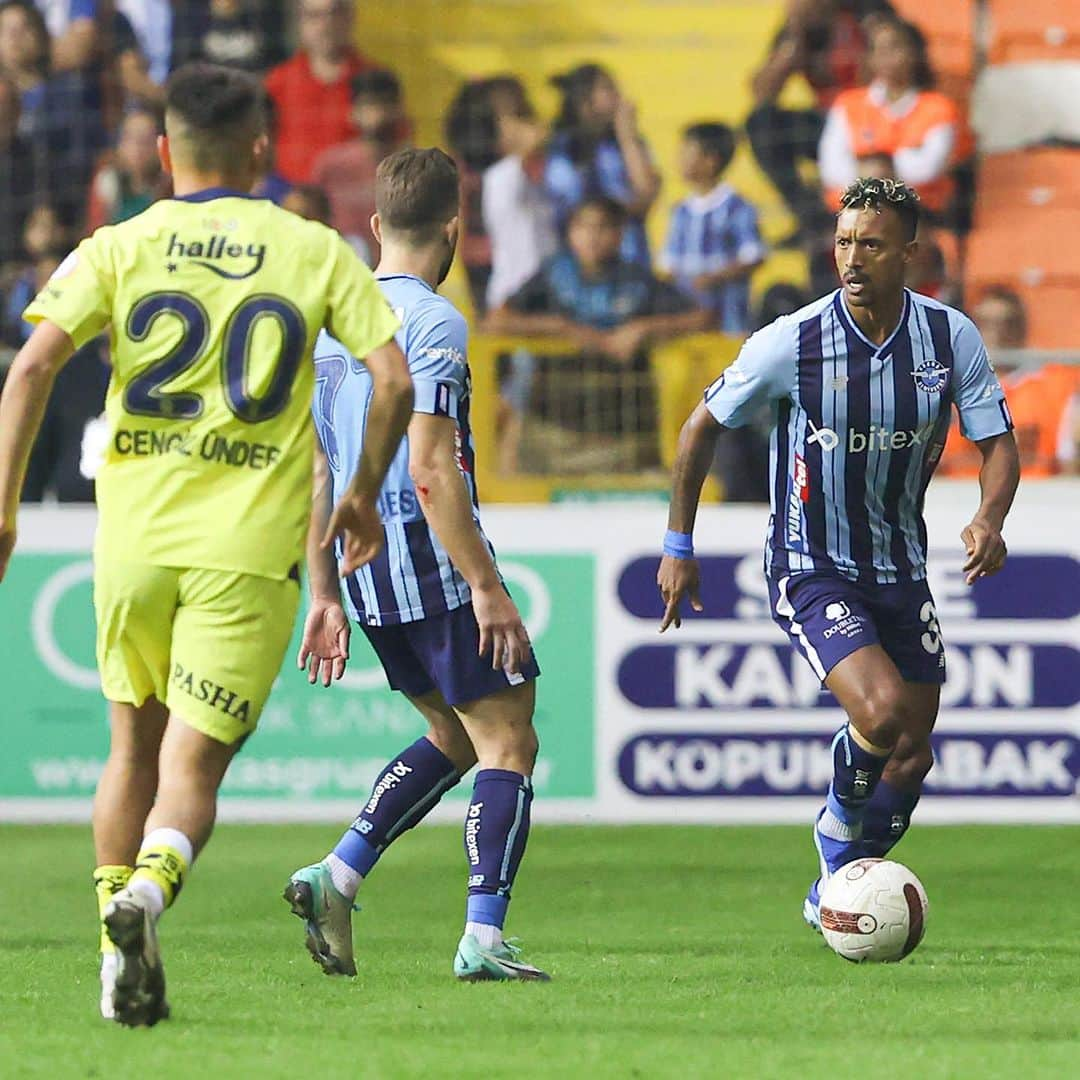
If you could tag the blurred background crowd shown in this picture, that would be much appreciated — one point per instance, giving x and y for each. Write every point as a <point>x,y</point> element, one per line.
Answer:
<point>566,238</point>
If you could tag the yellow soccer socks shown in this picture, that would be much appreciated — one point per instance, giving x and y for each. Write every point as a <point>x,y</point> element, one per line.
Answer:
<point>108,881</point>
<point>160,868</point>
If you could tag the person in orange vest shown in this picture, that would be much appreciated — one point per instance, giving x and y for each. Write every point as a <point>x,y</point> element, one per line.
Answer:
<point>1044,403</point>
<point>898,115</point>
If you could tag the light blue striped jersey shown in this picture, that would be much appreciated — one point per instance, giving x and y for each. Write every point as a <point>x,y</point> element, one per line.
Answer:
<point>413,577</point>
<point>714,232</point>
<point>858,430</point>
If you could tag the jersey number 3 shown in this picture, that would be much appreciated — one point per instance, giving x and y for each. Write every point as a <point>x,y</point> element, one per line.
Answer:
<point>145,394</point>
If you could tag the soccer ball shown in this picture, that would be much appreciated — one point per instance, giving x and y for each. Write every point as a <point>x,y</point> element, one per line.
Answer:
<point>873,909</point>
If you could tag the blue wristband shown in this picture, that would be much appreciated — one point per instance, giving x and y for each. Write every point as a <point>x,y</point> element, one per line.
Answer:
<point>678,545</point>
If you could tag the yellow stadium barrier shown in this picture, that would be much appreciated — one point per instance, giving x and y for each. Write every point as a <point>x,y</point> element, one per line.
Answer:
<point>681,369</point>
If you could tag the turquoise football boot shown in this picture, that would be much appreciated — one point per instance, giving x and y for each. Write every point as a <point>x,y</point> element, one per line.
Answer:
<point>473,963</point>
<point>327,918</point>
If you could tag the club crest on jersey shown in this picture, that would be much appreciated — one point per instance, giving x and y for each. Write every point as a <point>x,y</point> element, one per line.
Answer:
<point>217,253</point>
<point>931,376</point>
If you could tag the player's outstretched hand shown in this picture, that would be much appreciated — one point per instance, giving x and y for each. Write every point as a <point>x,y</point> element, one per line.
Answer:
<point>7,544</point>
<point>501,629</point>
<point>357,522</point>
<point>986,551</point>
<point>325,648</point>
<point>678,578</point>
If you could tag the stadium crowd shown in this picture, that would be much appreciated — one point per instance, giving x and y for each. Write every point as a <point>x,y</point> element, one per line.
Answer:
<point>555,240</point>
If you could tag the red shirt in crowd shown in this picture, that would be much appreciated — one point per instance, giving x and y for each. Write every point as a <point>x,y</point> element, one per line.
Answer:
<point>311,115</point>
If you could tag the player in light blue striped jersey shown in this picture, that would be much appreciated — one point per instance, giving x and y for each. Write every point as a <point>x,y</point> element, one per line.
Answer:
<point>861,384</point>
<point>431,603</point>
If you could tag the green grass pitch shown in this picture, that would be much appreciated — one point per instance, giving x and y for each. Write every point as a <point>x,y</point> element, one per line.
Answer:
<point>676,952</point>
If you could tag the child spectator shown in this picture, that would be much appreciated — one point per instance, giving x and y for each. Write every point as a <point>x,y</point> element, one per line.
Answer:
<point>613,309</point>
<point>312,91</point>
<point>713,243</point>
<point>598,150</point>
<point>134,179</point>
<point>347,171</point>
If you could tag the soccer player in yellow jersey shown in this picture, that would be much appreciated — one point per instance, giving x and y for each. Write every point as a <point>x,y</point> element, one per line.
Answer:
<point>213,301</point>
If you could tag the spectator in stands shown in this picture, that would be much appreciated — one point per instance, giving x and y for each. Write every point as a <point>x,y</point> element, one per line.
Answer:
<point>597,149</point>
<point>899,116</point>
<point>520,223</point>
<point>16,175</point>
<point>45,243</point>
<point>472,136</point>
<point>245,34</point>
<point>825,42</point>
<point>613,309</point>
<point>133,180</point>
<point>347,171</point>
<point>60,113</point>
<point>1044,401</point>
<point>312,92</point>
<point>156,25</point>
<point>517,212</point>
<point>713,243</point>
<point>129,79</point>
<point>73,29</point>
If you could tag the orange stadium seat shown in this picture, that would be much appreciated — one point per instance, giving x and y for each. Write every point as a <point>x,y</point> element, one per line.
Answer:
<point>1024,30</point>
<point>1027,180</point>
<point>950,34</point>
<point>1027,253</point>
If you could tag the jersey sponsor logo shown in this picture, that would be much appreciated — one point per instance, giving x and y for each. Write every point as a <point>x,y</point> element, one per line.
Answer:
<point>878,438</point>
<point>444,352</point>
<point>828,438</point>
<point>212,693</point>
<point>802,479</point>
<point>931,376</point>
<point>387,782</point>
<point>214,250</point>
<point>472,834</point>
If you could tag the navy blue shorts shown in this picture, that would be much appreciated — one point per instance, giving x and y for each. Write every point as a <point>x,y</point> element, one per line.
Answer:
<point>828,617</point>
<point>439,653</point>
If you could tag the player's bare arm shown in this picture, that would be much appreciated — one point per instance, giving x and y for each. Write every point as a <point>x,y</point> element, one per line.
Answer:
<point>355,518</point>
<point>26,393</point>
<point>448,510</point>
<point>324,650</point>
<point>680,577</point>
<point>998,480</point>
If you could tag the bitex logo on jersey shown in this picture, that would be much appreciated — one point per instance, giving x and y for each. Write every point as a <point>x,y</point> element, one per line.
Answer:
<point>876,438</point>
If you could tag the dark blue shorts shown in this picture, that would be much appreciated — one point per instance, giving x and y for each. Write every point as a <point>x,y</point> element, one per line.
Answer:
<point>828,617</point>
<point>439,653</point>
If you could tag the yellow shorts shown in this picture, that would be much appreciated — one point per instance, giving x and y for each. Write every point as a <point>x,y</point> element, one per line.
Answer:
<point>208,643</point>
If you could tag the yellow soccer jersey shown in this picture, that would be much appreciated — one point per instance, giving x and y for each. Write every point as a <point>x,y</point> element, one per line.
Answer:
<point>214,302</point>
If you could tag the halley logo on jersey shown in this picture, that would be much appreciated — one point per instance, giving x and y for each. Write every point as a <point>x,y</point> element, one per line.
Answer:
<point>214,250</point>
<point>931,376</point>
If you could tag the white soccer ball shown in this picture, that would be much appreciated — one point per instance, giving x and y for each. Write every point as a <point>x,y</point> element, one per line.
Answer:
<point>873,909</point>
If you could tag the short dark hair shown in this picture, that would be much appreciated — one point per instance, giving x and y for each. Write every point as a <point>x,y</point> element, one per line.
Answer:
<point>213,108</point>
<point>417,191</point>
<point>378,83</point>
<point>611,208</point>
<point>714,139</point>
<point>873,193</point>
